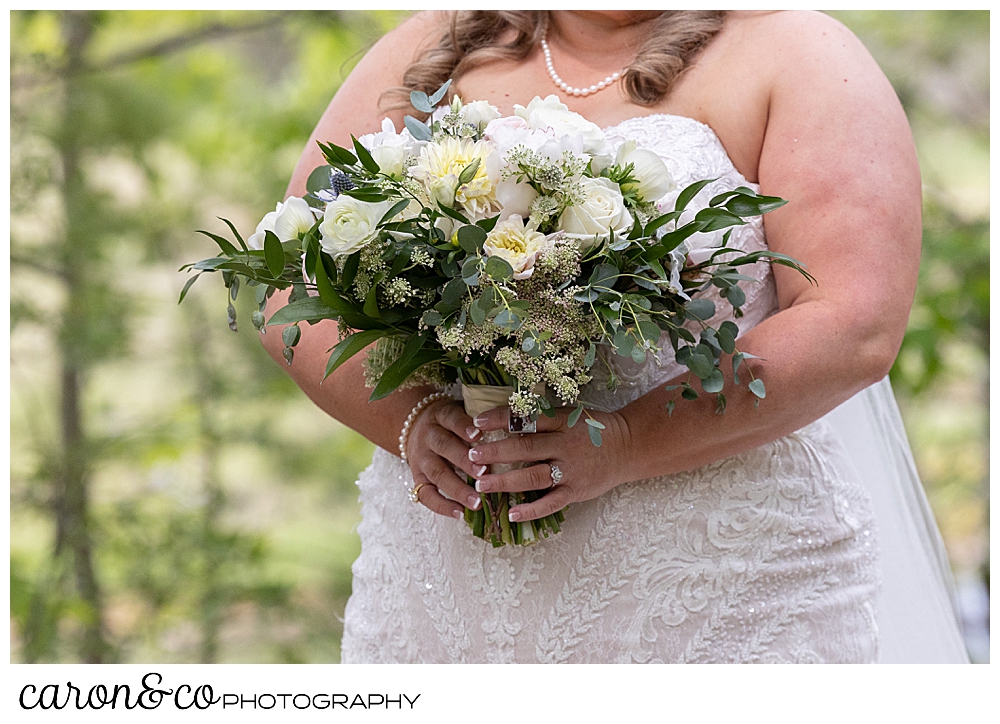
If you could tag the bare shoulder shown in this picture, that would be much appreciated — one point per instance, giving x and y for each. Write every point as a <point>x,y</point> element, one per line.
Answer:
<point>791,44</point>
<point>356,107</point>
<point>383,66</point>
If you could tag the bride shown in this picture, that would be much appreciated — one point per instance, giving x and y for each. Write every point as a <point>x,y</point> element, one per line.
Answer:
<point>795,531</point>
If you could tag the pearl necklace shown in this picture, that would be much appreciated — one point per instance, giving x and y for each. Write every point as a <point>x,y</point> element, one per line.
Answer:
<point>566,86</point>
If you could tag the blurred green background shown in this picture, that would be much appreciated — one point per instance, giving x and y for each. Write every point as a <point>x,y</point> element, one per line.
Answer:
<point>174,497</point>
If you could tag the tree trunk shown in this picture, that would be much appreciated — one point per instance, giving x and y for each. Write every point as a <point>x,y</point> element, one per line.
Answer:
<point>72,492</point>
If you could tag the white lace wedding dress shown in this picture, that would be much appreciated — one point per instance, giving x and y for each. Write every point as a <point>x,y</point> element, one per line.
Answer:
<point>768,556</point>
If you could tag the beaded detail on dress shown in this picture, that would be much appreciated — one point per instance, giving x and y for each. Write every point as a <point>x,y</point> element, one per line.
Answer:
<point>767,556</point>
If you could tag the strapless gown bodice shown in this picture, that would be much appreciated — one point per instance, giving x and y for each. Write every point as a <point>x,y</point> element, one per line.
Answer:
<point>767,556</point>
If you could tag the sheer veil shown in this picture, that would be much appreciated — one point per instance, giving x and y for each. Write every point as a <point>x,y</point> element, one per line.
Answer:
<point>917,614</point>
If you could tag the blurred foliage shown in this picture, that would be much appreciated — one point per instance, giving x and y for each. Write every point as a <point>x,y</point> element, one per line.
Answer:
<point>220,502</point>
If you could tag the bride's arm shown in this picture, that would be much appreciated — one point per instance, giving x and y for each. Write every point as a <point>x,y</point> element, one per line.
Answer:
<point>838,146</point>
<point>439,441</point>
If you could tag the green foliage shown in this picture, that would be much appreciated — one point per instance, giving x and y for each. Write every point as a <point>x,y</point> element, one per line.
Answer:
<point>168,141</point>
<point>173,113</point>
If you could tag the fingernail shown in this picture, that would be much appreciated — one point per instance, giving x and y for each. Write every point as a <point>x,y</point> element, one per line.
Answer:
<point>472,432</point>
<point>479,470</point>
<point>480,488</point>
<point>514,516</point>
<point>457,514</point>
<point>475,454</point>
<point>474,502</point>
<point>480,421</point>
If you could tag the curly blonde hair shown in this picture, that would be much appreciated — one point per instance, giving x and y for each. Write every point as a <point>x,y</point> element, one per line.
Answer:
<point>473,40</point>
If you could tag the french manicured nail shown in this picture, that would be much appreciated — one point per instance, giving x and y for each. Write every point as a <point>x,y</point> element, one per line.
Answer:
<point>474,502</point>
<point>514,516</point>
<point>480,488</point>
<point>480,421</point>
<point>472,432</point>
<point>479,470</point>
<point>475,454</point>
<point>458,514</point>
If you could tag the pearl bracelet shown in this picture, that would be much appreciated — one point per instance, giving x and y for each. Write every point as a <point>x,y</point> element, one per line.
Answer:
<point>404,434</point>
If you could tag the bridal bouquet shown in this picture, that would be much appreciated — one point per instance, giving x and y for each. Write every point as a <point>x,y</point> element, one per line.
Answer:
<point>510,254</point>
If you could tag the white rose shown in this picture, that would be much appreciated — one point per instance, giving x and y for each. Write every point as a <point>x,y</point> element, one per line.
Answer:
<point>349,225</point>
<point>653,178</point>
<point>289,219</point>
<point>479,113</point>
<point>517,245</point>
<point>515,197</point>
<point>602,211</point>
<point>551,113</point>
<point>390,149</point>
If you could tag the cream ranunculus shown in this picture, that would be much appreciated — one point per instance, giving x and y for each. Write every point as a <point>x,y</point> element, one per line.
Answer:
<point>517,245</point>
<point>289,219</point>
<point>441,163</point>
<point>653,179</point>
<point>551,113</point>
<point>602,211</point>
<point>349,225</point>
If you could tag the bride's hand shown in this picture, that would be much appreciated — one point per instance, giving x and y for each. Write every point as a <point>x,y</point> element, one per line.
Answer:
<point>587,470</point>
<point>438,444</point>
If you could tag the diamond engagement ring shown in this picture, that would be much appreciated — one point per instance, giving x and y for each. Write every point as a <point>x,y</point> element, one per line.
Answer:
<point>415,492</point>
<point>556,474</point>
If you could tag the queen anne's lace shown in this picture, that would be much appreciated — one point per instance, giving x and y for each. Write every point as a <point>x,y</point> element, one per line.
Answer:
<point>767,556</point>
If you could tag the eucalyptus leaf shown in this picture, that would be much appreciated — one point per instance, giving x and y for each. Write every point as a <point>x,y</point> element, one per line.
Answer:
<point>319,179</point>
<point>418,130</point>
<point>439,93</point>
<point>591,356</point>
<point>575,415</point>
<point>701,365</point>
<point>432,318</point>
<point>726,339</point>
<point>700,309</point>
<point>714,382</point>
<point>604,276</point>
<point>736,296</point>
<point>477,314</point>
<point>471,238</point>
<point>757,387</point>
<point>420,101</point>
<point>499,269</point>
<point>454,291</point>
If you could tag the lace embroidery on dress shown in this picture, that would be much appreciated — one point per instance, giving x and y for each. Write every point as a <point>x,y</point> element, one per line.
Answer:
<point>768,556</point>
